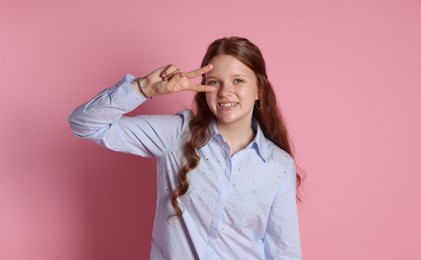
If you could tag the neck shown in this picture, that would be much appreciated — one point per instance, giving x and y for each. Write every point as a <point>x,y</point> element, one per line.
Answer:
<point>237,136</point>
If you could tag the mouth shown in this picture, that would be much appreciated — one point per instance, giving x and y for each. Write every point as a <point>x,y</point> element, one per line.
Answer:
<point>228,105</point>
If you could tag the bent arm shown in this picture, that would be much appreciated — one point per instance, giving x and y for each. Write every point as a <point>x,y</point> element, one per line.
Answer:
<point>102,120</point>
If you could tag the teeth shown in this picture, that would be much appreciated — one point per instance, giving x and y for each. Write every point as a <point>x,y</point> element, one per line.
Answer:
<point>227,104</point>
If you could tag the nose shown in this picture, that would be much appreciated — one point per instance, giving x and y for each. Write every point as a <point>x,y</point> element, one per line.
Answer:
<point>225,89</point>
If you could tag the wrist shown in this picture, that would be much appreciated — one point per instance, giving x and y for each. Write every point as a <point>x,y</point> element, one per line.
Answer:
<point>142,88</point>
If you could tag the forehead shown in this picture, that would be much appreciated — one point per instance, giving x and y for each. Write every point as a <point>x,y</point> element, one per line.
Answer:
<point>227,65</point>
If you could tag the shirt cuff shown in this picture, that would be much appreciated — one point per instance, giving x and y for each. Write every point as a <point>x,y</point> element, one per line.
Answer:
<point>124,96</point>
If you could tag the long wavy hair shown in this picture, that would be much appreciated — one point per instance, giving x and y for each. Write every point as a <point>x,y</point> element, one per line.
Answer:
<point>268,114</point>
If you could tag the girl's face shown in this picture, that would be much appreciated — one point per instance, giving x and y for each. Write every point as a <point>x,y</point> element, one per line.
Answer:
<point>237,91</point>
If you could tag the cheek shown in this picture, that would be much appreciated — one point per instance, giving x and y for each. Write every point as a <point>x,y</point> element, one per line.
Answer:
<point>247,94</point>
<point>210,97</point>
<point>254,93</point>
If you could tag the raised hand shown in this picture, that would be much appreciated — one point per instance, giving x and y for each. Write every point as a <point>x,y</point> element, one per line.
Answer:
<point>169,79</point>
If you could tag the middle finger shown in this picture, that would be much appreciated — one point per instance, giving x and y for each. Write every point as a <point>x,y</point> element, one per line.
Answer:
<point>198,72</point>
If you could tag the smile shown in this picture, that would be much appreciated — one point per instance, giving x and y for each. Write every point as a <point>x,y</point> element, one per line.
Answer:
<point>227,105</point>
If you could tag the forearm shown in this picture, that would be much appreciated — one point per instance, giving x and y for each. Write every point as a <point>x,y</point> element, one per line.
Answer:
<point>105,108</point>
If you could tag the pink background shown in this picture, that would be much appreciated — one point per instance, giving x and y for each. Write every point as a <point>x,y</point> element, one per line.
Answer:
<point>348,78</point>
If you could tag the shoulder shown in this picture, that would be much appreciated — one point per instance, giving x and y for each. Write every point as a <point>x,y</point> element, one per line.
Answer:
<point>279,158</point>
<point>284,165</point>
<point>186,114</point>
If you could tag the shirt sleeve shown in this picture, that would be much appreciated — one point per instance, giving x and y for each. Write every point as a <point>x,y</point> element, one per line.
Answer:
<point>102,120</point>
<point>282,237</point>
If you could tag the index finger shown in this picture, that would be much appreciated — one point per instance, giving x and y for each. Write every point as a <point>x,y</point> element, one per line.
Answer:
<point>198,72</point>
<point>201,88</point>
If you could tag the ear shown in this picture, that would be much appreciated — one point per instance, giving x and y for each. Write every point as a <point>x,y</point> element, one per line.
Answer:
<point>258,93</point>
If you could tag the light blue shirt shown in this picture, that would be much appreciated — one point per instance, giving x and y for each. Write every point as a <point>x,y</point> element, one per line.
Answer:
<point>239,207</point>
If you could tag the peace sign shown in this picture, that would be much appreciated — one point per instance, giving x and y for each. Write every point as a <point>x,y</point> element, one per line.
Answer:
<point>169,79</point>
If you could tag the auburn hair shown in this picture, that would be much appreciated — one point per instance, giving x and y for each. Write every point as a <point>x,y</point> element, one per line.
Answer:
<point>268,114</point>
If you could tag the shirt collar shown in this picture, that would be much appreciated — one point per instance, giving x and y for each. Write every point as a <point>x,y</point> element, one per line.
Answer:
<point>259,142</point>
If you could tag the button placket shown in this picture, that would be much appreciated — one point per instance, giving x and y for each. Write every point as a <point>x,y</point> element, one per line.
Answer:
<point>221,201</point>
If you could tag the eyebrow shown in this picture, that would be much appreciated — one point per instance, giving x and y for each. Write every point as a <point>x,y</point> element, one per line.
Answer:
<point>235,75</point>
<point>239,75</point>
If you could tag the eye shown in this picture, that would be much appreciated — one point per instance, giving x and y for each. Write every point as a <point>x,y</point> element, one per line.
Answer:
<point>212,82</point>
<point>238,81</point>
